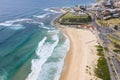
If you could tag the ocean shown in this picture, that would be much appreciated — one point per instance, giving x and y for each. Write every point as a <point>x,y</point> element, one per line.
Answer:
<point>30,47</point>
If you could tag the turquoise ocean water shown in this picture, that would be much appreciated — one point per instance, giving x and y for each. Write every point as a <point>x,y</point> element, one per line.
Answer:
<point>30,47</point>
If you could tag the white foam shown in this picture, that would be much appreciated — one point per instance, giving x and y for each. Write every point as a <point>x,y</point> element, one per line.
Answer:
<point>54,11</point>
<point>46,9</point>
<point>52,70</point>
<point>4,76</point>
<point>36,62</point>
<point>66,47</point>
<point>44,27</point>
<point>67,43</point>
<point>46,71</point>
<point>42,24</point>
<point>5,24</point>
<point>41,16</point>
<point>53,31</point>
<point>17,27</point>
<point>43,52</point>
<point>51,10</point>
<point>11,22</point>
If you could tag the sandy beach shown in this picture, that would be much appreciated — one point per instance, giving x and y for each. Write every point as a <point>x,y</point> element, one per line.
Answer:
<point>82,56</point>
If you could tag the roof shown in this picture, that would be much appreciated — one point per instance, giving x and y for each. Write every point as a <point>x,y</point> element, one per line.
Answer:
<point>105,13</point>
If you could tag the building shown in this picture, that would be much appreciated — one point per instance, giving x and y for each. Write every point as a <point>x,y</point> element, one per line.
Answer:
<point>117,4</point>
<point>109,13</point>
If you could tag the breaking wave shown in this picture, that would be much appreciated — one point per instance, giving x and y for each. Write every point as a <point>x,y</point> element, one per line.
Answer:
<point>11,22</point>
<point>52,68</point>
<point>52,10</point>
<point>42,16</point>
<point>43,51</point>
<point>17,27</point>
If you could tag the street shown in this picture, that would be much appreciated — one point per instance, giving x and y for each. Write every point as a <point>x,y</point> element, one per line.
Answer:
<point>114,61</point>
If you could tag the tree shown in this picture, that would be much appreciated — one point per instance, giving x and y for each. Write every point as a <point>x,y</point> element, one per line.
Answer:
<point>116,27</point>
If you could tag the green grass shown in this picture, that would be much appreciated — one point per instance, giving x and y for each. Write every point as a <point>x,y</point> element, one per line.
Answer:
<point>102,70</point>
<point>100,54</point>
<point>99,47</point>
<point>106,49</point>
<point>73,18</point>
<point>71,15</point>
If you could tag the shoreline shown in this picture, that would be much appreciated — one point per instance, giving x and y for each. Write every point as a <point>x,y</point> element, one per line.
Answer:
<point>77,58</point>
<point>65,75</point>
<point>79,54</point>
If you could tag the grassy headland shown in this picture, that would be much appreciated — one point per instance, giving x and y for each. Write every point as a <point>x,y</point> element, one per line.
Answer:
<point>74,19</point>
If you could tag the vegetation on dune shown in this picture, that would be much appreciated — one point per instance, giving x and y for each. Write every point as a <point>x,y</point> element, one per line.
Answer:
<point>99,50</point>
<point>116,27</point>
<point>107,23</point>
<point>117,48</point>
<point>116,51</point>
<point>113,39</point>
<point>99,47</point>
<point>102,70</point>
<point>72,18</point>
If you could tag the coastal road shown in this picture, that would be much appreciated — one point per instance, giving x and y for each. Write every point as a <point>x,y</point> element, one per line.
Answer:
<point>114,60</point>
<point>99,40</point>
<point>117,66</point>
<point>116,63</point>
